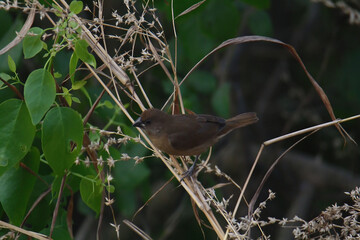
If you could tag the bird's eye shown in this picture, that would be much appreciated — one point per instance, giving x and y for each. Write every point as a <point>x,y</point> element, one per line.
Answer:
<point>147,122</point>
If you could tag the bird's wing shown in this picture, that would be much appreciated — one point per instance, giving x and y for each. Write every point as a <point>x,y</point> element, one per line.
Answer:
<point>199,130</point>
<point>203,118</point>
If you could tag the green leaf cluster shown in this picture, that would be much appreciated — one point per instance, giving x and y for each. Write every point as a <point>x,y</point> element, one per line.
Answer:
<point>41,131</point>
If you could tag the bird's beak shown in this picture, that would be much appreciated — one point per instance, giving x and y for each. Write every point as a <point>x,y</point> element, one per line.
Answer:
<point>139,123</point>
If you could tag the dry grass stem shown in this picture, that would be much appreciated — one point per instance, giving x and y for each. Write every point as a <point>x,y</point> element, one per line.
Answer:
<point>23,231</point>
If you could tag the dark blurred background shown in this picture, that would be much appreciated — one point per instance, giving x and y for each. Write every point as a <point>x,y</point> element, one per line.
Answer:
<point>260,77</point>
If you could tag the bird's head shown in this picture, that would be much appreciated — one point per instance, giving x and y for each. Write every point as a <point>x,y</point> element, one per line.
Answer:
<point>152,121</point>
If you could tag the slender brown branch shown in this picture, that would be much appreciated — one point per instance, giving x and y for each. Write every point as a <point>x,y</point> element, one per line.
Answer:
<point>90,112</point>
<point>38,200</point>
<point>33,173</point>
<point>70,210</point>
<point>56,210</point>
<point>13,88</point>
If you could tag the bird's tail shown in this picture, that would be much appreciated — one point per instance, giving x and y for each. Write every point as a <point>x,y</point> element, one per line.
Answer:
<point>238,121</point>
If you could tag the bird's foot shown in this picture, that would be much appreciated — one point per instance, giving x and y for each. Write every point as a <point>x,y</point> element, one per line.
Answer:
<point>188,173</point>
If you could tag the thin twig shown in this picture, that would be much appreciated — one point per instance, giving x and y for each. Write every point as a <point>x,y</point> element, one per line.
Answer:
<point>13,88</point>
<point>57,206</point>
<point>269,171</point>
<point>152,196</point>
<point>38,200</point>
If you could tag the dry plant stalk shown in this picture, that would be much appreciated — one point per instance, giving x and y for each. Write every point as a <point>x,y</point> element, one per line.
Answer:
<point>120,76</point>
<point>23,231</point>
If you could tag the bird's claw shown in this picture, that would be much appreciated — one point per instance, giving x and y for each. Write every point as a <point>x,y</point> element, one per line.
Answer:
<point>188,173</point>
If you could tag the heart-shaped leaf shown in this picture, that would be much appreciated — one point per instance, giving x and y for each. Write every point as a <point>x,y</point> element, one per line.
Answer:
<point>62,135</point>
<point>39,93</point>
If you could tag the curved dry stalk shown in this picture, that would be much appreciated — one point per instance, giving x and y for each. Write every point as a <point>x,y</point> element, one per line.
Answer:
<point>25,28</point>
<point>291,49</point>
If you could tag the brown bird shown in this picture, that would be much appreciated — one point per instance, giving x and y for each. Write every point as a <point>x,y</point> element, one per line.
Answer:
<point>188,134</point>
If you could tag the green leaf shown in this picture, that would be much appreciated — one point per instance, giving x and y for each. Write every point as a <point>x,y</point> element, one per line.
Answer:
<point>260,23</point>
<point>17,133</point>
<point>58,11</point>
<point>39,93</point>
<point>68,99</point>
<point>91,193</point>
<point>11,63</point>
<point>65,90</point>
<point>75,99</point>
<point>57,75</point>
<point>72,66</point>
<point>45,46</point>
<point>16,186</point>
<point>82,52</point>
<point>221,100</point>
<point>76,6</point>
<point>79,84</point>
<point>62,134</point>
<point>5,77</point>
<point>32,43</point>
<point>73,24</point>
<point>67,96</point>
<point>110,189</point>
<point>108,104</point>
